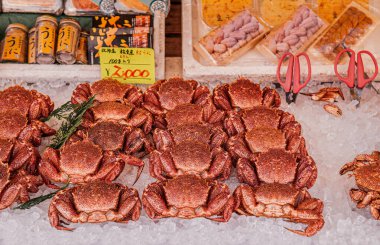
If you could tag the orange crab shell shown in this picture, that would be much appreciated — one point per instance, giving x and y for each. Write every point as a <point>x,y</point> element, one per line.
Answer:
<point>368,177</point>
<point>176,91</point>
<point>11,124</point>
<point>245,94</point>
<point>193,132</point>
<point>184,114</point>
<point>264,139</point>
<point>261,117</point>
<point>110,90</point>
<point>111,110</point>
<point>190,155</point>
<point>108,134</point>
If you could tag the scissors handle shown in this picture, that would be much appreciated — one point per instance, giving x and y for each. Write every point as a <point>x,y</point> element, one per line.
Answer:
<point>297,85</point>
<point>362,81</point>
<point>350,79</point>
<point>286,85</point>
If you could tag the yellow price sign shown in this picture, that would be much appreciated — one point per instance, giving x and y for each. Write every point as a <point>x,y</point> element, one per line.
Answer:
<point>128,65</point>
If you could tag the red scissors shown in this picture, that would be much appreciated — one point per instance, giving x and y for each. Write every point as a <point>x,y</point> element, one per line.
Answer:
<point>293,75</point>
<point>356,79</point>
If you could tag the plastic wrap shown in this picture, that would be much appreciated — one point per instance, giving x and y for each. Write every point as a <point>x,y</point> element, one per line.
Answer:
<point>276,12</point>
<point>295,35</point>
<point>351,27</point>
<point>35,6</point>
<point>122,21</point>
<point>217,12</point>
<point>136,6</point>
<point>82,8</point>
<point>330,9</point>
<point>233,39</point>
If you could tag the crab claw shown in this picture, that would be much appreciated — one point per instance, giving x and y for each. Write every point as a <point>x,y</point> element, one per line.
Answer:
<point>313,226</point>
<point>139,171</point>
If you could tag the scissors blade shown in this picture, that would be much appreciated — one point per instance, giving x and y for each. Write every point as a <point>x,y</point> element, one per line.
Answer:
<point>356,95</point>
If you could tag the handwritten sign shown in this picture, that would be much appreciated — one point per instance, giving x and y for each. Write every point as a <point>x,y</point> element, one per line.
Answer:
<point>128,65</point>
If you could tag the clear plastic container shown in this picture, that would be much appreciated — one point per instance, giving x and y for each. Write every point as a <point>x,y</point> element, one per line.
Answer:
<point>15,43</point>
<point>82,8</point>
<point>276,12</point>
<point>134,6</point>
<point>295,35</point>
<point>32,46</point>
<point>68,38</point>
<point>330,9</point>
<point>34,6</point>
<point>217,12</point>
<point>351,27</point>
<point>46,28</point>
<point>233,39</point>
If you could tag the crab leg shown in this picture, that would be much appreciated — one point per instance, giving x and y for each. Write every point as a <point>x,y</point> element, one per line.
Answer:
<point>375,209</point>
<point>362,198</point>
<point>220,166</point>
<point>246,173</point>
<point>306,173</point>
<point>313,226</point>
<point>220,203</point>
<point>160,163</point>
<point>61,206</point>
<point>154,201</point>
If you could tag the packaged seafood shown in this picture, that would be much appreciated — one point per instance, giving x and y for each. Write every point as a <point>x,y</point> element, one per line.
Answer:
<point>81,56</point>
<point>276,12</point>
<point>35,6</point>
<point>119,31</point>
<point>46,28</point>
<point>295,35</point>
<point>95,43</point>
<point>330,9</point>
<point>89,7</point>
<point>217,12</point>
<point>68,38</point>
<point>349,29</point>
<point>233,39</point>
<point>15,43</point>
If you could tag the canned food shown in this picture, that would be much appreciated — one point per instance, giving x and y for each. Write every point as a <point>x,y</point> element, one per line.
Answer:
<point>46,28</point>
<point>82,49</point>
<point>15,43</point>
<point>32,46</point>
<point>68,38</point>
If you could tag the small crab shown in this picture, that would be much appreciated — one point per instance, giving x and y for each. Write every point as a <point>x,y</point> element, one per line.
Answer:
<point>281,201</point>
<point>366,169</point>
<point>243,94</point>
<point>113,101</point>
<point>166,95</point>
<point>16,186</point>
<point>260,129</point>
<point>188,196</point>
<point>329,94</point>
<point>94,203</point>
<point>83,161</point>
<point>107,90</point>
<point>15,126</point>
<point>277,165</point>
<point>29,103</point>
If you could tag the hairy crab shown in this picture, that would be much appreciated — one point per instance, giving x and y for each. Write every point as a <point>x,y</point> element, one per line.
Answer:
<point>277,200</point>
<point>259,129</point>
<point>244,94</point>
<point>113,101</point>
<point>188,196</point>
<point>29,103</point>
<point>15,186</point>
<point>165,95</point>
<point>94,203</point>
<point>366,170</point>
<point>82,161</point>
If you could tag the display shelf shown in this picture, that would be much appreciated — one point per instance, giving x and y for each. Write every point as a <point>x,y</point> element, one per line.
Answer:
<point>252,65</point>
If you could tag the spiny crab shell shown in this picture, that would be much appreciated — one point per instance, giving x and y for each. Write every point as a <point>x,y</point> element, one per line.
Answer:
<point>188,196</point>
<point>277,166</point>
<point>113,101</point>
<point>15,186</point>
<point>29,103</point>
<point>94,203</point>
<point>243,94</point>
<point>167,95</point>
<point>366,170</point>
<point>277,200</point>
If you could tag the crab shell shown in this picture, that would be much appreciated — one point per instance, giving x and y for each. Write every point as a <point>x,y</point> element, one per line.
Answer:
<point>368,177</point>
<point>184,114</point>
<point>15,187</point>
<point>107,90</point>
<point>188,196</point>
<point>11,124</point>
<point>94,203</point>
<point>28,103</point>
<point>244,94</point>
<point>281,201</point>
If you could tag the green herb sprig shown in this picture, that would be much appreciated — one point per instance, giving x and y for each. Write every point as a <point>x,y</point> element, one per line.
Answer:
<point>38,200</point>
<point>71,123</point>
<point>61,112</point>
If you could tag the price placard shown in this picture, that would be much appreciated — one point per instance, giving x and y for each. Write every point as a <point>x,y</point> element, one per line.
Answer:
<point>128,65</point>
